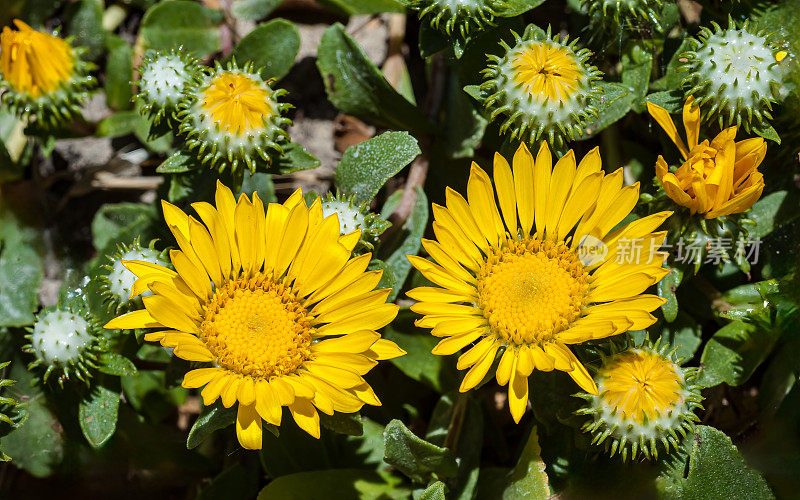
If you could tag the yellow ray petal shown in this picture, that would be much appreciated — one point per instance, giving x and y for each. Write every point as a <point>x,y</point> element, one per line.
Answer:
<point>305,416</point>
<point>662,118</point>
<point>132,320</point>
<point>523,187</point>
<point>248,427</point>
<point>517,395</point>
<point>504,184</point>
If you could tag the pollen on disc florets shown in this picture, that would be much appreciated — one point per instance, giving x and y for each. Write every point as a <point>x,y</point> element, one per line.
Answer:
<point>117,282</point>
<point>64,342</point>
<point>163,77</point>
<point>256,326</point>
<point>530,290</point>
<point>543,87</point>
<point>231,117</point>
<point>645,401</point>
<point>355,216</point>
<point>734,74</point>
<point>461,16</point>
<point>42,76</point>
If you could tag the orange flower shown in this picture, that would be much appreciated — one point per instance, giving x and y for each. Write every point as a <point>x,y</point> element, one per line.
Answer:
<point>717,178</point>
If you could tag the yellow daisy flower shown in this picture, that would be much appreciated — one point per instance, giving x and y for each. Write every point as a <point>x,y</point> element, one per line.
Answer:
<point>274,302</point>
<point>717,178</point>
<point>543,272</point>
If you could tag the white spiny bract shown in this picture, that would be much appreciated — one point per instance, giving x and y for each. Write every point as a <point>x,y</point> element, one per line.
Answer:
<point>220,149</point>
<point>531,117</point>
<point>120,280</point>
<point>350,218</point>
<point>461,16</point>
<point>164,76</point>
<point>733,75</point>
<point>626,436</point>
<point>63,342</point>
<point>353,216</point>
<point>60,337</point>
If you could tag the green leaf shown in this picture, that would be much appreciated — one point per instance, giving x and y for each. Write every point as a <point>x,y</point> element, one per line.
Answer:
<point>21,271</point>
<point>119,124</point>
<point>637,65</point>
<point>733,354</point>
<point>119,73</point>
<point>461,417</point>
<point>261,183</point>
<point>672,101</point>
<point>182,22</point>
<point>528,478</point>
<point>37,443</point>
<point>357,87</point>
<point>359,7</point>
<point>295,158</point>
<point>684,333</point>
<point>767,131</point>
<point>771,212</point>
<point>85,23</point>
<point>114,363</point>
<point>437,372</point>
<point>387,278</point>
<point>436,491</point>
<point>414,227</point>
<point>415,457</point>
<point>253,10</point>
<point>271,47</point>
<point>121,223</point>
<point>513,8</point>
<point>614,103</point>
<point>98,412</point>
<point>211,419</point>
<point>673,76</point>
<point>177,163</point>
<point>464,123</point>
<point>335,484</point>
<point>366,167</point>
<point>666,289</point>
<point>715,470</point>
<point>343,423</point>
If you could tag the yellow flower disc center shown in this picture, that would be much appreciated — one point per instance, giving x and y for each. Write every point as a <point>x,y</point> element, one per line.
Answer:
<point>256,326</point>
<point>237,103</point>
<point>530,290</point>
<point>547,71</point>
<point>34,62</point>
<point>640,385</point>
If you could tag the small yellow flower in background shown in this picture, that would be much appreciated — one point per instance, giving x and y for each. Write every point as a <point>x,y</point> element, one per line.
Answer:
<point>42,76</point>
<point>34,62</point>
<point>274,302</point>
<point>538,274</point>
<point>645,400</point>
<point>237,103</point>
<point>232,118</point>
<point>717,178</point>
<point>548,72</point>
<point>639,385</point>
